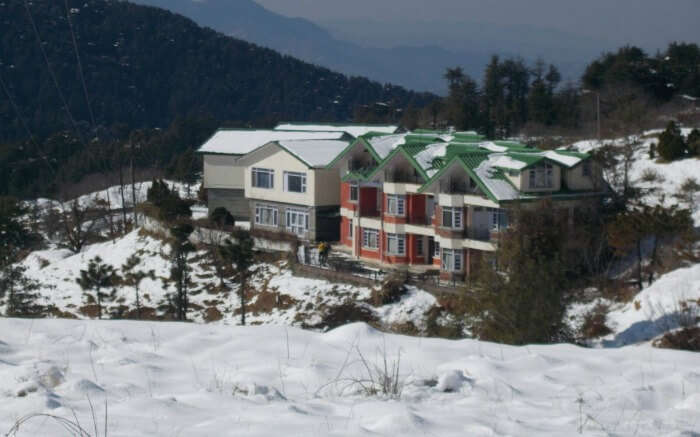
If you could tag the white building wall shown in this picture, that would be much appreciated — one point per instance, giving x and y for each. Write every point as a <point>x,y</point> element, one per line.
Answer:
<point>223,171</point>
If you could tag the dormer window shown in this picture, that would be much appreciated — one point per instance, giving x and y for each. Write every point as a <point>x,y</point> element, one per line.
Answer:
<point>542,176</point>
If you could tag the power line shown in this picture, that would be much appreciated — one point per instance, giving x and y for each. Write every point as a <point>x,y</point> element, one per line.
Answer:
<point>24,124</point>
<point>51,73</point>
<point>80,65</point>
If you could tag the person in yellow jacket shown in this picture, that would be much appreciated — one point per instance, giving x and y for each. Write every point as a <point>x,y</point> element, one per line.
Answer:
<point>323,250</point>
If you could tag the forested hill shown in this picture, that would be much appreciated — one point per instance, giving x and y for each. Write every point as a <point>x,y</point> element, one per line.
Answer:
<point>145,66</point>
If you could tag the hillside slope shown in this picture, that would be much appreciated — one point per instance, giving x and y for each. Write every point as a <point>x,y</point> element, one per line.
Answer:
<point>145,66</point>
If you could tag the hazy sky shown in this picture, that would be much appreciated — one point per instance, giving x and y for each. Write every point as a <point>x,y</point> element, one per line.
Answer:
<point>648,23</point>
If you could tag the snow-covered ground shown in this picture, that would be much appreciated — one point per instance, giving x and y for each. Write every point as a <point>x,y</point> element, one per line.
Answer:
<point>657,309</point>
<point>275,295</point>
<point>169,379</point>
<point>673,174</point>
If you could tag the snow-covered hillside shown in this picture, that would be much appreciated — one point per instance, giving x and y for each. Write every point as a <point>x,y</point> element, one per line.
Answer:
<point>673,174</point>
<point>659,308</point>
<point>275,295</point>
<point>168,379</point>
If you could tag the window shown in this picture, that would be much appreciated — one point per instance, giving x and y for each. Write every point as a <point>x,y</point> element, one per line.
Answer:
<point>263,177</point>
<point>354,192</point>
<point>265,215</point>
<point>297,221</point>
<point>395,204</point>
<point>542,176</point>
<point>451,217</point>
<point>499,219</point>
<point>419,245</point>
<point>395,244</point>
<point>586,168</point>
<point>350,230</point>
<point>370,238</point>
<point>437,250</point>
<point>294,182</point>
<point>452,260</point>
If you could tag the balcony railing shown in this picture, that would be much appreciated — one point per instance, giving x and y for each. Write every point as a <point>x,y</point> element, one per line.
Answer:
<point>457,187</point>
<point>419,220</point>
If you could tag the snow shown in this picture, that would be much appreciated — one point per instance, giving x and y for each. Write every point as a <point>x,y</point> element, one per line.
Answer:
<point>506,161</point>
<point>652,312</point>
<point>240,142</point>
<point>673,173</point>
<point>316,153</point>
<point>425,157</point>
<point>385,144</point>
<point>164,379</point>
<point>499,187</point>
<point>566,160</point>
<point>355,130</point>
<point>276,295</point>
<point>488,145</point>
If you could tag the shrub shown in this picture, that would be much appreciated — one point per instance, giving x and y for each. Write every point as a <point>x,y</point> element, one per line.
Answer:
<point>391,290</point>
<point>693,142</point>
<point>671,144</point>
<point>685,339</point>
<point>594,323</point>
<point>221,217</point>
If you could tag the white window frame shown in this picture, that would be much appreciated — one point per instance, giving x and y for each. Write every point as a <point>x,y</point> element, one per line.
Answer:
<point>499,219</point>
<point>398,240</point>
<point>368,235</point>
<point>456,217</point>
<point>436,253</point>
<point>451,260</point>
<point>354,187</point>
<point>396,204</point>
<point>302,176</point>
<point>297,221</point>
<point>542,176</point>
<point>256,171</point>
<point>272,212</point>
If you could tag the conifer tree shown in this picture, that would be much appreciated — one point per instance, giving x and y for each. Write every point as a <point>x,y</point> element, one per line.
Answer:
<point>671,143</point>
<point>20,292</point>
<point>133,278</point>
<point>180,270</point>
<point>693,142</point>
<point>97,277</point>
<point>240,255</point>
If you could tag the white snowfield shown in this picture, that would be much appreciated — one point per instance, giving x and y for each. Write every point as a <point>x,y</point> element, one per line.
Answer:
<point>169,379</point>
<point>673,173</point>
<point>657,309</point>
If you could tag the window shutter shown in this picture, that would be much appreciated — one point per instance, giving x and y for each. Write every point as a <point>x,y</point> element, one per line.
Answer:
<point>457,218</point>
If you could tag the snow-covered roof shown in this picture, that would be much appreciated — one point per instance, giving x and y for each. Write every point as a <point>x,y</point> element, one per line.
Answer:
<point>384,144</point>
<point>355,130</point>
<point>242,141</point>
<point>489,175</point>
<point>509,163</point>
<point>426,156</point>
<point>315,153</point>
<point>567,160</point>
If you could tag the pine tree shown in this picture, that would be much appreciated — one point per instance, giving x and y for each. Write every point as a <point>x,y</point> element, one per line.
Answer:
<point>133,278</point>
<point>240,255</point>
<point>693,143</point>
<point>20,292</point>
<point>97,277</point>
<point>671,143</point>
<point>688,193</point>
<point>180,270</point>
<point>522,294</point>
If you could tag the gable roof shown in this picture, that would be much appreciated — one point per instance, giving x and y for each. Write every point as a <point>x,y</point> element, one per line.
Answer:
<point>356,130</point>
<point>242,141</point>
<point>313,153</point>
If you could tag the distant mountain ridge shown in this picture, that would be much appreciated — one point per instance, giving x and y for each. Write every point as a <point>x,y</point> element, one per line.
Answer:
<point>418,68</point>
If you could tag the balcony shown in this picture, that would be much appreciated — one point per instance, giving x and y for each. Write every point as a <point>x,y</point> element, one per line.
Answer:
<point>419,220</point>
<point>402,177</point>
<point>458,186</point>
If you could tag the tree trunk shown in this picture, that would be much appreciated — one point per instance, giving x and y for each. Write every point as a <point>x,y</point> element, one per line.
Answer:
<point>652,262</point>
<point>133,188</point>
<point>99,305</point>
<point>639,264</point>
<point>138,303</point>
<point>241,293</point>
<point>121,191</point>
